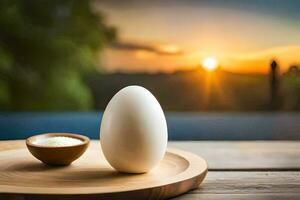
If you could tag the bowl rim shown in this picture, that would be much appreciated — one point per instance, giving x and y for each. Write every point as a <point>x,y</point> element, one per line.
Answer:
<point>85,140</point>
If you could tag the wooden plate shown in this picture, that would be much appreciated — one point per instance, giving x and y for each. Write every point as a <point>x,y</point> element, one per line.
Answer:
<point>91,177</point>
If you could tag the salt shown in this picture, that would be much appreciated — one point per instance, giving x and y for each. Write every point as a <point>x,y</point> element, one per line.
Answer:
<point>57,141</point>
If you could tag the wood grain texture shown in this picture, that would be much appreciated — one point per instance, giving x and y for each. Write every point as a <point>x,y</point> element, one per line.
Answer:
<point>270,196</point>
<point>250,183</point>
<point>12,144</point>
<point>245,155</point>
<point>247,185</point>
<point>24,177</point>
<point>256,169</point>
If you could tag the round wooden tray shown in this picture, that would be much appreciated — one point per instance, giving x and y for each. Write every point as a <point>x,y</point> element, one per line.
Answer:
<point>91,177</point>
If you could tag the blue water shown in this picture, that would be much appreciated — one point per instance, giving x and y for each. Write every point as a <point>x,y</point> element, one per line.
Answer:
<point>182,126</point>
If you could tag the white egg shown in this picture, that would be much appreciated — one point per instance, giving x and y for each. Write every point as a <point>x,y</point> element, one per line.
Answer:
<point>133,131</point>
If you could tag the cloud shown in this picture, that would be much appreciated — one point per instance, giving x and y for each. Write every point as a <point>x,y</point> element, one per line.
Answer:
<point>157,49</point>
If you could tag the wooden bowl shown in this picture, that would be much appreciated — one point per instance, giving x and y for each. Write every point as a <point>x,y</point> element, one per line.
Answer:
<point>62,155</point>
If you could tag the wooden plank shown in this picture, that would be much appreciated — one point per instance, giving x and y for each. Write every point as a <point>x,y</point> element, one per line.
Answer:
<point>238,197</point>
<point>247,185</point>
<point>233,155</point>
<point>12,144</point>
<point>250,182</point>
<point>245,155</point>
<point>259,155</point>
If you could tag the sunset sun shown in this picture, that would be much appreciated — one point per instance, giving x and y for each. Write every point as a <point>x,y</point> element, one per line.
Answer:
<point>209,63</point>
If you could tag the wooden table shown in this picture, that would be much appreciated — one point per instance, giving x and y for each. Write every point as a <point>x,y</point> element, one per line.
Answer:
<point>239,170</point>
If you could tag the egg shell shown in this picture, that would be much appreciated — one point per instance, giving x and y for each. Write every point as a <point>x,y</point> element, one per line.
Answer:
<point>133,131</point>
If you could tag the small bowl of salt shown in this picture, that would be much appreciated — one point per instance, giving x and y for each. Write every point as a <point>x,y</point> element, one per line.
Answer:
<point>57,148</point>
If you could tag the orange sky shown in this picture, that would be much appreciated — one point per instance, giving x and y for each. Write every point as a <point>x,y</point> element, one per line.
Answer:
<point>160,38</point>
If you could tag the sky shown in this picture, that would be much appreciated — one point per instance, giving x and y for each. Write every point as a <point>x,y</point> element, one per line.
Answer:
<point>165,36</point>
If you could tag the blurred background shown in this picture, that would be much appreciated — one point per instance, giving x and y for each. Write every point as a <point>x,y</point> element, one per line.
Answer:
<point>194,56</point>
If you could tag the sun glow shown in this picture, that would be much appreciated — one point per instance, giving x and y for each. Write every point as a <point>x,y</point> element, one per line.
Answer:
<point>209,63</point>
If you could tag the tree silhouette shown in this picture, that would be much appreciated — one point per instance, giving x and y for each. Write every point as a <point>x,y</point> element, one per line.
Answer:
<point>274,85</point>
<point>45,48</point>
